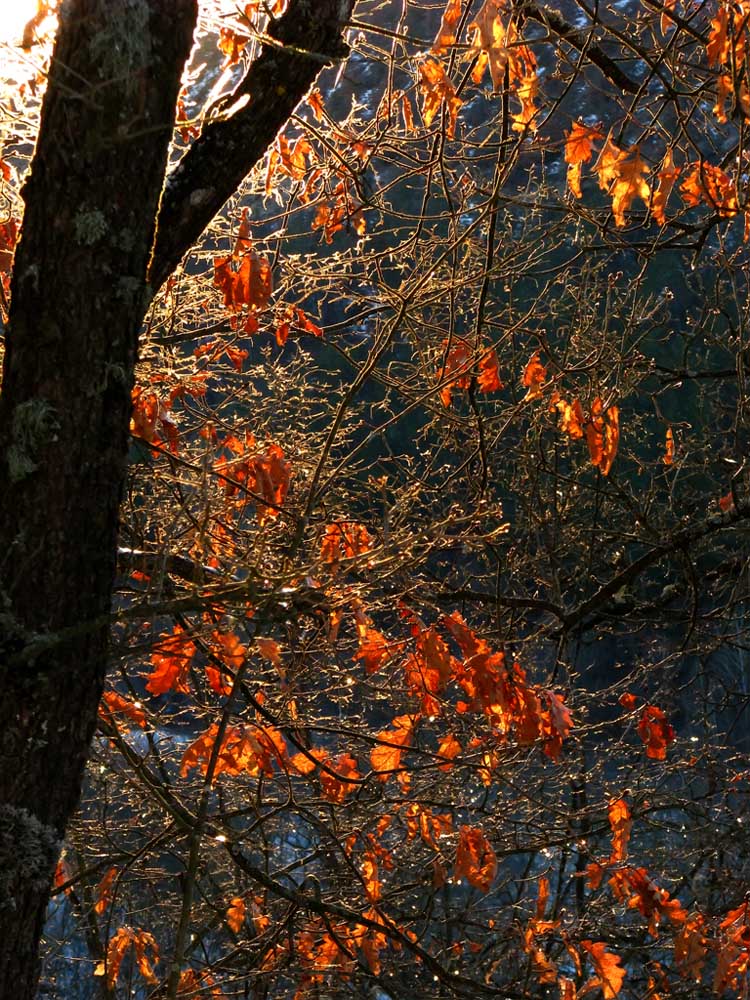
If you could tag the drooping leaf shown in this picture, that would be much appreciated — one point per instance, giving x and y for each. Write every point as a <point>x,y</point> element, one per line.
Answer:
<point>603,435</point>
<point>667,176</point>
<point>114,704</point>
<point>438,92</point>
<point>579,149</point>
<point>385,758</point>
<point>655,732</point>
<point>609,973</point>
<point>103,896</point>
<point>447,32</point>
<point>534,377</point>
<point>668,456</point>
<point>621,824</point>
<point>475,859</point>
<point>171,661</point>
<point>235,915</point>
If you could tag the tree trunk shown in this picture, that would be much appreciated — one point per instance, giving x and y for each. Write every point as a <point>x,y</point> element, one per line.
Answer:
<point>78,298</point>
<point>84,272</point>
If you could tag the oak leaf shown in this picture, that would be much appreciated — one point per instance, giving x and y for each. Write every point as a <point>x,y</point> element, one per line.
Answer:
<point>114,704</point>
<point>385,758</point>
<point>621,824</point>
<point>534,377</point>
<point>609,974</point>
<point>668,456</point>
<point>655,732</point>
<point>103,896</point>
<point>171,661</point>
<point>446,33</point>
<point>438,92</point>
<point>235,915</point>
<point>579,149</point>
<point>475,859</point>
<point>145,949</point>
<point>711,185</point>
<point>603,435</point>
<point>667,176</point>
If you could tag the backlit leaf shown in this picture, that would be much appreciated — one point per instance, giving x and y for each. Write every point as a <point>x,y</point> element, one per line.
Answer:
<point>609,973</point>
<point>475,859</point>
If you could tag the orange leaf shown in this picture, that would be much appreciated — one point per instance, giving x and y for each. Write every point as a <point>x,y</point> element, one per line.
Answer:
<point>534,376</point>
<point>315,100</point>
<point>119,944</point>
<point>710,184</point>
<point>104,891</point>
<point>437,92</point>
<point>609,974</point>
<point>447,35</point>
<point>667,175</point>
<point>579,149</point>
<point>475,858</point>
<point>374,649</point>
<point>603,435</point>
<point>373,887</point>
<point>655,732</point>
<point>668,456</point>
<point>458,360</point>
<point>113,704</point>
<point>269,650</point>
<point>571,416</point>
<point>488,377</point>
<point>633,886</point>
<point>232,44</point>
<point>235,915</point>
<point>254,749</point>
<point>621,175</point>
<point>336,787</point>
<point>171,660</point>
<point>344,540</point>
<point>386,759</point>
<point>621,823</point>
<point>449,748</point>
<point>690,947</point>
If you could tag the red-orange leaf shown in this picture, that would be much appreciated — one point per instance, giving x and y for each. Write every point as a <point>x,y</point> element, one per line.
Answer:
<point>667,175</point>
<point>386,759</point>
<point>655,732</point>
<point>104,891</point>
<point>609,973</point>
<point>603,435</point>
<point>668,456</point>
<point>146,954</point>
<point>534,376</point>
<point>336,787</point>
<point>437,92</point>
<point>621,823</point>
<point>475,859</point>
<point>114,704</point>
<point>447,32</point>
<point>171,660</point>
<point>579,149</point>
<point>344,540</point>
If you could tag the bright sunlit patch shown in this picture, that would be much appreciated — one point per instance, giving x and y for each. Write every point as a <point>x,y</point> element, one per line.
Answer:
<point>14,16</point>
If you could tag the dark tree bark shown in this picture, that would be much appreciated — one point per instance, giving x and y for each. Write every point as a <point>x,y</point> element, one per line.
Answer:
<point>84,272</point>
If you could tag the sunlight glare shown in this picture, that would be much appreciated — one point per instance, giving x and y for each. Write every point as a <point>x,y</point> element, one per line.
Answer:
<point>14,16</point>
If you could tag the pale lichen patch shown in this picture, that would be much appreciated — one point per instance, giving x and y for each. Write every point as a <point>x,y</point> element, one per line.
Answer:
<point>32,425</point>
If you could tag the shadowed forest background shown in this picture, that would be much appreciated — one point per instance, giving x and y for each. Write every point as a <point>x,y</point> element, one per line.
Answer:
<point>428,667</point>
